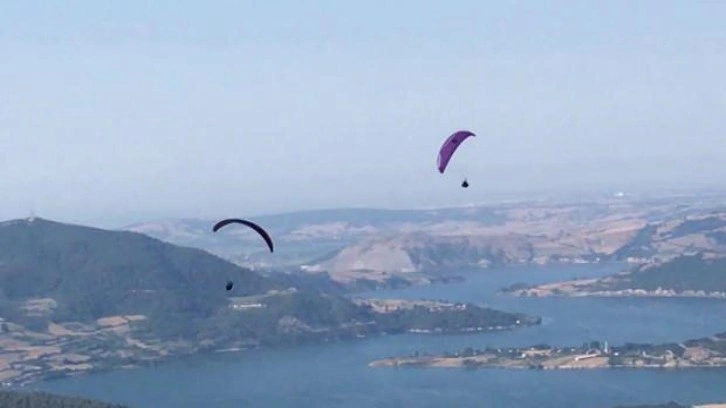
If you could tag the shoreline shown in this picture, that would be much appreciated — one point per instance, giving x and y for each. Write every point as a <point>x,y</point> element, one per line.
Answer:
<point>720,296</point>
<point>588,288</point>
<point>401,364</point>
<point>118,342</point>
<point>707,352</point>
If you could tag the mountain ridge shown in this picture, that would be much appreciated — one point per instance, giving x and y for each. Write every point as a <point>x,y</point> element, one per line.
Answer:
<point>477,237</point>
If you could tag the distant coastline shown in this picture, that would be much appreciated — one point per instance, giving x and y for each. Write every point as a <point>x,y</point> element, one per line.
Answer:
<point>71,349</point>
<point>587,288</point>
<point>700,353</point>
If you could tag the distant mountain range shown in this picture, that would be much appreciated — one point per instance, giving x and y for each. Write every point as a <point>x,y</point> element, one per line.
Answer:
<point>377,245</point>
<point>683,256</point>
<point>302,236</point>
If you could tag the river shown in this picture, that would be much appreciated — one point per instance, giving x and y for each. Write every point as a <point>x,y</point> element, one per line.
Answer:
<point>337,375</point>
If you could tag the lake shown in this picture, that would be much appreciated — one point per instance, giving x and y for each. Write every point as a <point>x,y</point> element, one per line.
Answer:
<point>337,375</point>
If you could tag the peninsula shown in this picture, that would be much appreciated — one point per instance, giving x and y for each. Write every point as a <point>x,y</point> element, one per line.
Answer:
<point>698,275</point>
<point>704,352</point>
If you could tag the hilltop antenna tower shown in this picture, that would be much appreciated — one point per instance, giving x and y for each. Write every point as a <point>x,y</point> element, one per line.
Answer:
<point>31,218</point>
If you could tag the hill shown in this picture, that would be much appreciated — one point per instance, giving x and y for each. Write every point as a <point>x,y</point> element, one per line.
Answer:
<point>387,246</point>
<point>10,399</point>
<point>90,273</point>
<point>688,275</point>
<point>533,235</point>
<point>676,257</point>
<point>302,236</point>
<point>675,237</point>
<point>696,273</point>
<point>77,299</point>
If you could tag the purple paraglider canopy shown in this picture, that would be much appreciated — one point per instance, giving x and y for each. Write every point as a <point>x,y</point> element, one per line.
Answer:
<point>450,146</point>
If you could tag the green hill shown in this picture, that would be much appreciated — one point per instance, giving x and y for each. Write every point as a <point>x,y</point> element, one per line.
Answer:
<point>90,273</point>
<point>696,275</point>
<point>668,239</point>
<point>684,273</point>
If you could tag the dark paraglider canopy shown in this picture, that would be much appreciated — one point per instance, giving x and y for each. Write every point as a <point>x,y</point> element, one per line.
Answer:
<point>247,223</point>
<point>229,285</point>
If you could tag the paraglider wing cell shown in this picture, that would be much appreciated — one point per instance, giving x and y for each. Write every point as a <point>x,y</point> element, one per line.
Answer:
<point>449,147</point>
<point>250,224</point>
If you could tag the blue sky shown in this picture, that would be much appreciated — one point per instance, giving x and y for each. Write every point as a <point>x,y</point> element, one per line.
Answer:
<point>137,109</point>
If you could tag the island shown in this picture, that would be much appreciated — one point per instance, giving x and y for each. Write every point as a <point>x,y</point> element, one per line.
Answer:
<point>704,352</point>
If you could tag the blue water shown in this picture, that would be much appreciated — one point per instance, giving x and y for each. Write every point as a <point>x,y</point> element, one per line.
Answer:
<point>337,375</point>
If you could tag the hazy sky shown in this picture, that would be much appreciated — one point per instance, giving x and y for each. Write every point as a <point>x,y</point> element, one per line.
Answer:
<point>215,108</point>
